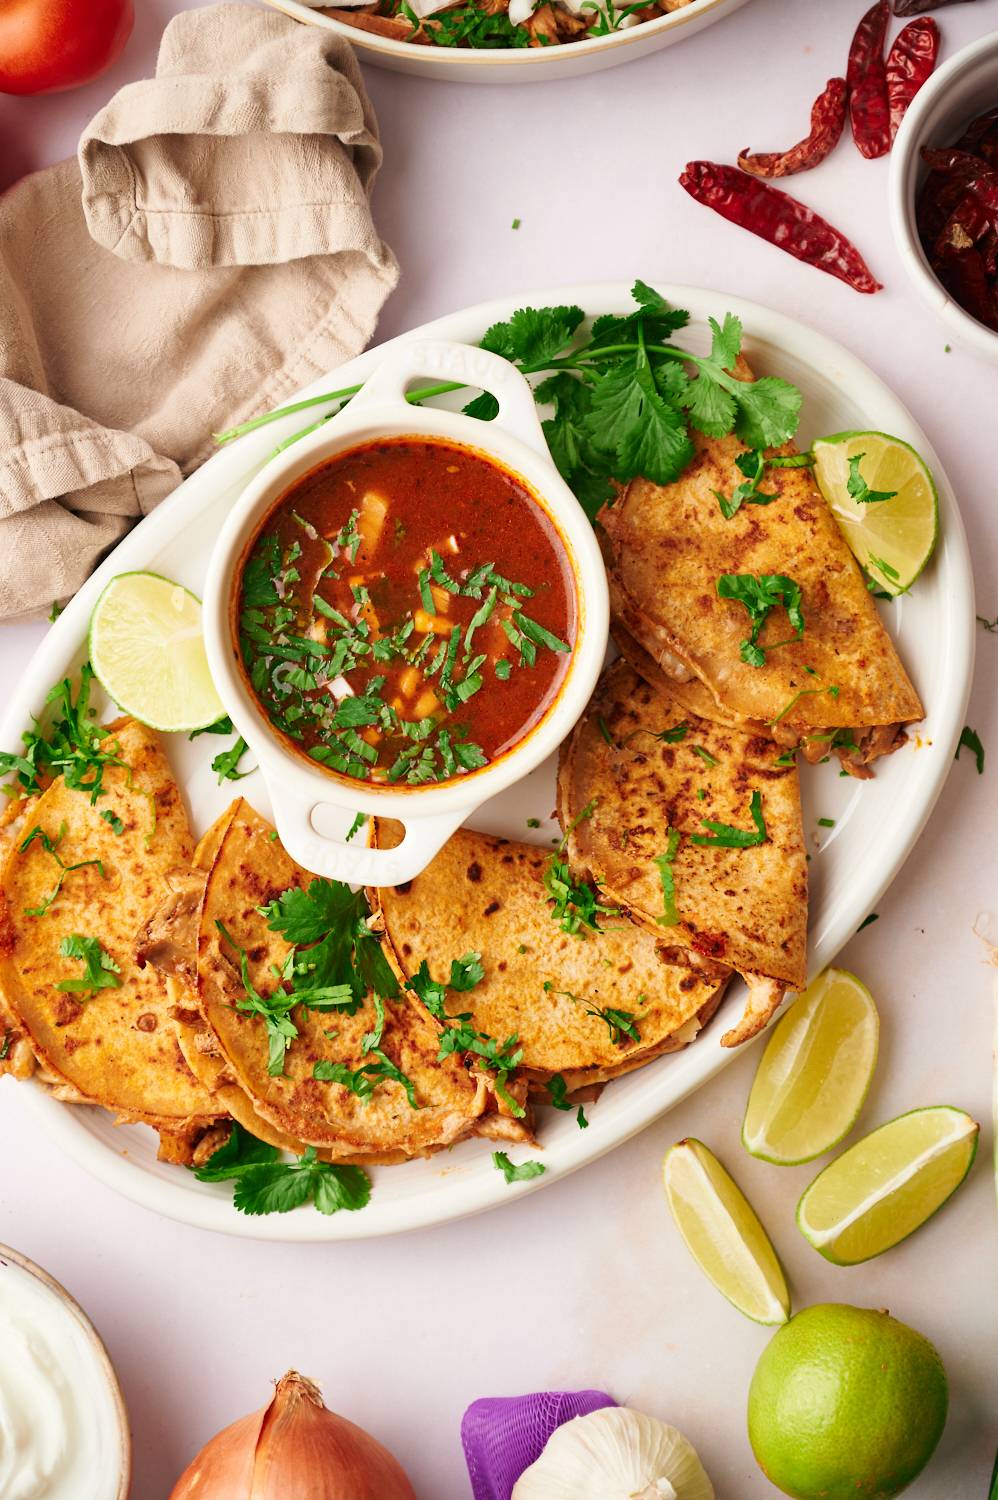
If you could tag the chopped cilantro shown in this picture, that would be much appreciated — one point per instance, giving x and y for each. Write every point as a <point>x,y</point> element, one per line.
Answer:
<point>533,822</point>
<point>989,625</point>
<point>575,905</point>
<point>522,1173</point>
<point>873,917</point>
<point>51,846</point>
<point>517,223</point>
<point>761,594</point>
<point>364,1080</point>
<point>71,748</point>
<point>220,726</point>
<point>670,916</point>
<point>826,822</point>
<point>723,836</point>
<point>100,972</point>
<point>226,764</point>
<point>113,821</point>
<point>858,488</point>
<point>704,755</point>
<point>971,740</point>
<point>359,820</point>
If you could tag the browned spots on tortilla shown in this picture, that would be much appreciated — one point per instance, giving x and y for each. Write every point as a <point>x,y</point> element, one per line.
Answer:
<point>492,908</point>
<point>713,944</point>
<point>146,1022</point>
<point>67,1010</point>
<point>474,871</point>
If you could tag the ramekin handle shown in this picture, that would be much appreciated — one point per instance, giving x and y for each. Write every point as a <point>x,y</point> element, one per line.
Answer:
<point>354,862</point>
<point>445,360</point>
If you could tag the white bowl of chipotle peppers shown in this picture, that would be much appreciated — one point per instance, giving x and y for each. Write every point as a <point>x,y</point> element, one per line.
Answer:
<point>944,195</point>
<point>405,613</point>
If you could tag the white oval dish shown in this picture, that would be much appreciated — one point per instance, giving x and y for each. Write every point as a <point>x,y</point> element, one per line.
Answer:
<point>521,64</point>
<point>90,1385</point>
<point>962,89</point>
<point>300,792</point>
<point>876,822</point>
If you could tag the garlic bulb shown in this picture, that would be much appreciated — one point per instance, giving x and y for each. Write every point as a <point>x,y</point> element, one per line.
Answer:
<point>615,1454</point>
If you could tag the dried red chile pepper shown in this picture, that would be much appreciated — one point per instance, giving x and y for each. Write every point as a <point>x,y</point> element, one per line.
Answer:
<point>866,75</point>
<point>909,63</point>
<point>828,118</point>
<point>957,217</point>
<point>919,7</point>
<point>775,216</point>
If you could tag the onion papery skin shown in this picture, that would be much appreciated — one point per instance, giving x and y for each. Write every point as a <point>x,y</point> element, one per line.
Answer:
<point>293,1449</point>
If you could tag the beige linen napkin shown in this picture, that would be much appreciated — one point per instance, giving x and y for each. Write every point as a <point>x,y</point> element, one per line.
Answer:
<point>211,251</point>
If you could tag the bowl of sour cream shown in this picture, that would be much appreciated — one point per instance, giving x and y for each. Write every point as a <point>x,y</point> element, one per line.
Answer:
<point>63,1424</point>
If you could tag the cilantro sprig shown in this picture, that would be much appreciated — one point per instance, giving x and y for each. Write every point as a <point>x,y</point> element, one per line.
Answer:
<point>265,1183</point>
<point>335,960</point>
<point>624,396</point>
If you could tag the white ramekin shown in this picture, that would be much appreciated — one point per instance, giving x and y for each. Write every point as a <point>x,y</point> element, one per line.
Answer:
<point>299,791</point>
<point>962,89</point>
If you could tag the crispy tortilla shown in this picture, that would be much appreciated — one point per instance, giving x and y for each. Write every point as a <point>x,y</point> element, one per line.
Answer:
<point>248,870</point>
<point>666,546</point>
<point>117,1047</point>
<point>485,894</point>
<point>745,908</point>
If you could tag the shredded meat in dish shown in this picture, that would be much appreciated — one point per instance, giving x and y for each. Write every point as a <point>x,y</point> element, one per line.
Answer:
<point>485,24</point>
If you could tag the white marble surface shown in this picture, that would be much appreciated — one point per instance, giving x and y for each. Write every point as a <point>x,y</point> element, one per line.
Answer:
<point>587,1283</point>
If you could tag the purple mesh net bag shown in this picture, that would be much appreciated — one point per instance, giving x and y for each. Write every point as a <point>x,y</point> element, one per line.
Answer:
<point>503,1435</point>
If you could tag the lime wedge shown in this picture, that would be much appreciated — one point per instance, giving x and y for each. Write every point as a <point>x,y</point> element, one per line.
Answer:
<point>882,1189</point>
<point>892,539</point>
<point>723,1234</point>
<point>147,651</point>
<point>814,1073</point>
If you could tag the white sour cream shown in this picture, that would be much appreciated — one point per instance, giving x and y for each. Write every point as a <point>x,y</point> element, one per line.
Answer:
<point>59,1427</point>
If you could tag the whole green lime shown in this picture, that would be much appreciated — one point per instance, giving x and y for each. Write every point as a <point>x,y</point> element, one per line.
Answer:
<point>846,1404</point>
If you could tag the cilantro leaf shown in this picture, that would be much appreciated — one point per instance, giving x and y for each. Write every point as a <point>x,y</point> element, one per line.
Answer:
<point>304,915</point>
<point>534,335</point>
<point>466,972</point>
<point>971,740</point>
<point>522,1173</point>
<point>631,421</point>
<point>768,411</point>
<point>581,465</point>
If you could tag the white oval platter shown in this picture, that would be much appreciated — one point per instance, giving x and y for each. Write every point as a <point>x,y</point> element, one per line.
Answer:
<point>876,822</point>
<point>520,64</point>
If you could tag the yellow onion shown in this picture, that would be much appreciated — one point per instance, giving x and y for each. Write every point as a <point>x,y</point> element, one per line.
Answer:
<point>293,1449</point>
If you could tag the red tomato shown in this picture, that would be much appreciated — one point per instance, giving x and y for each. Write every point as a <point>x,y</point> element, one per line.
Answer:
<point>47,45</point>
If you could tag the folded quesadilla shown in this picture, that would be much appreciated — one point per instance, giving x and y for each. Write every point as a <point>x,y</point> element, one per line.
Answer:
<point>78,878</point>
<point>588,1004</point>
<point>359,1074</point>
<point>755,608</point>
<point>694,829</point>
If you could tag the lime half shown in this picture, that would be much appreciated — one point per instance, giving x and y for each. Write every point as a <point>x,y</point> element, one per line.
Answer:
<point>891,538</point>
<point>814,1073</point>
<point>723,1234</point>
<point>885,1187</point>
<point>147,651</point>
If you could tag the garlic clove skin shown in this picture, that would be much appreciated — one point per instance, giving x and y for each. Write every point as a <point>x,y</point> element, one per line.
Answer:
<point>615,1454</point>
